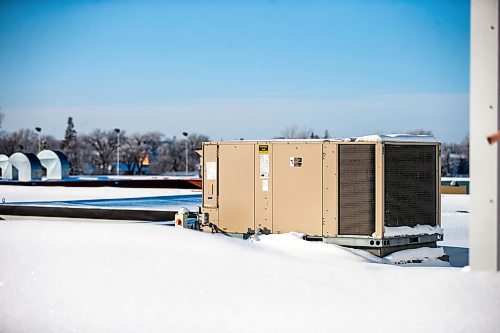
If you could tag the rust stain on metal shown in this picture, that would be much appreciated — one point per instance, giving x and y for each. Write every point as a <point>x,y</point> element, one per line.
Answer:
<point>494,138</point>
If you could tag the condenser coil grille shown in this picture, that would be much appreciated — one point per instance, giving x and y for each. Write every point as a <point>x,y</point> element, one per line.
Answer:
<point>356,189</point>
<point>410,185</point>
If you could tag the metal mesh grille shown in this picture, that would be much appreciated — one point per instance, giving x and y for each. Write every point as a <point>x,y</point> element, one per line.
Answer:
<point>356,189</point>
<point>410,185</point>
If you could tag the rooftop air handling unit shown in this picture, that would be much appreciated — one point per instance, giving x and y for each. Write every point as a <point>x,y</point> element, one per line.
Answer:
<point>25,167</point>
<point>380,193</point>
<point>55,162</point>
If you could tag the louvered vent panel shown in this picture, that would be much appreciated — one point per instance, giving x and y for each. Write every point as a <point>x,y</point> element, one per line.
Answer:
<point>356,189</point>
<point>410,185</point>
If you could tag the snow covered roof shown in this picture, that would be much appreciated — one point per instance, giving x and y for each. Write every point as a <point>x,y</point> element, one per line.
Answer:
<point>108,277</point>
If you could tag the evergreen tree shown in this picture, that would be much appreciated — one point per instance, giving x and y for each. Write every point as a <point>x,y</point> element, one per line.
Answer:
<point>70,135</point>
<point>70,147</point>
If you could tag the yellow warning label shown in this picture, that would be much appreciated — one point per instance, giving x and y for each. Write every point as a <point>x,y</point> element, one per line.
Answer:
<point>263,149</point>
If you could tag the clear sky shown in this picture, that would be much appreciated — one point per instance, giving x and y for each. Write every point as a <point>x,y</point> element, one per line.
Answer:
<point>232,69</point>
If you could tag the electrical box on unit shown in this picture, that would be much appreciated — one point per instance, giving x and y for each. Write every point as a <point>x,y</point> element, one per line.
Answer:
<point>351,193</point>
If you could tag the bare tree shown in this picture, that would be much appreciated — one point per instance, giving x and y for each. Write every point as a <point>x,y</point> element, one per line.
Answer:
<point>446,150</point>
<point>194,142</point>
<point>162,163</point>
<point>139,149</point>
<point>455,158</point>
<point>463,149</point>
<point>171,154</point>
<point>127,154</point>
<point>23,140</point>
<point>464,146</point>
<point>293,132</point>
<point>50,142</point>
<point>148,149</point>
<point>103,146</point>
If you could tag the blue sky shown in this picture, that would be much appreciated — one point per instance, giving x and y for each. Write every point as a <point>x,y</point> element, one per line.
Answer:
<point>232,69</point>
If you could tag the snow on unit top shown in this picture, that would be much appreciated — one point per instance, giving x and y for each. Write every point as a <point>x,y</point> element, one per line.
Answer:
<point>367,138</point>
<point>396,138</point>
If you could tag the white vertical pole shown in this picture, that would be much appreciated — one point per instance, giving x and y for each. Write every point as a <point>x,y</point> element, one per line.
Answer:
<point>484,121</point>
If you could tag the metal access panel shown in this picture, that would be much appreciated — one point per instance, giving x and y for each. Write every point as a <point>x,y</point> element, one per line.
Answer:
<point>330,189</point>
<point>264,186</point>
<point>356,189</point>
<point>297,187</point>
<point>210,177</point>
<point>236,187</point>
<point>410,185</point>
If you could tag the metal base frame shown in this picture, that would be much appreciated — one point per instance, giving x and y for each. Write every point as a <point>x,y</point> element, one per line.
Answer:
<point>378,247</point>
<point>357,241</point>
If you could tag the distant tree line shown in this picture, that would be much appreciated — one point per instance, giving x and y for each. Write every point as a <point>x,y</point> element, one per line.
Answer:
<point>96,152</point>
<point>294,132</point>
<point>455,159</point>
<point>454,156</point>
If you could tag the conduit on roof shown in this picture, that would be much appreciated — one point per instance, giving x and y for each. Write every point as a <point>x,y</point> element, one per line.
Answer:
<point>25,167</point>
<point>5,167</point>
<point>55,162</point>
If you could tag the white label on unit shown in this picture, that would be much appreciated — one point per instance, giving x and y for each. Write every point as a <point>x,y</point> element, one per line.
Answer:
<point>264,166</point>
<point>265,185</point>
<point>211,170</point>
<point>295,162</point>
